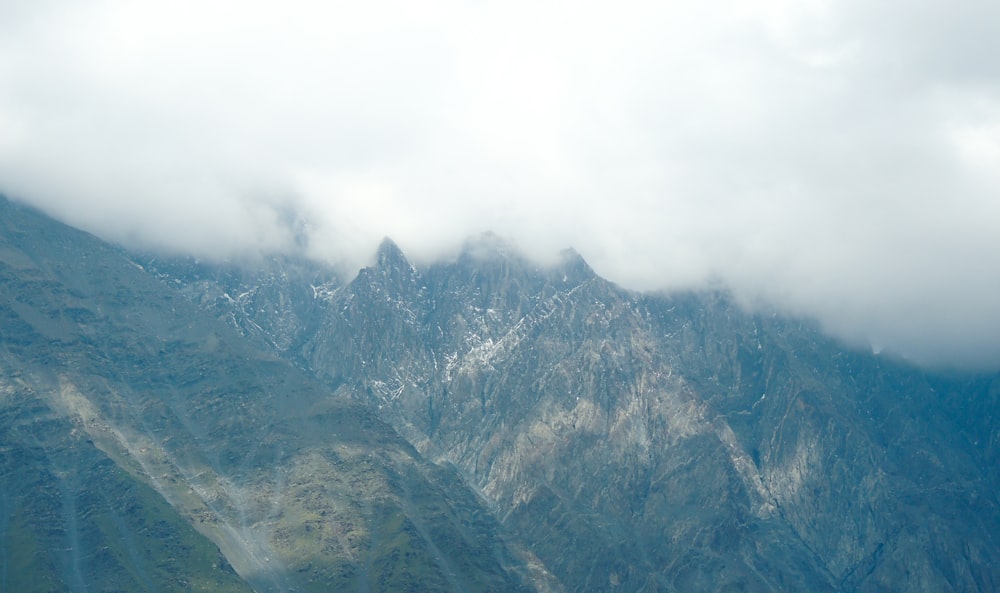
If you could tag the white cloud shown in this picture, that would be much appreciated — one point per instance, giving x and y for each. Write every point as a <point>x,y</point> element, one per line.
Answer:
<point>837,158</point>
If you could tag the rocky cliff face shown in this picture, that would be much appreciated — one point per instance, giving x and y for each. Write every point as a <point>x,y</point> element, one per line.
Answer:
<point>483,424</point>
<point>275,300</point>
<point>671,442</point>
<point>140,437</point>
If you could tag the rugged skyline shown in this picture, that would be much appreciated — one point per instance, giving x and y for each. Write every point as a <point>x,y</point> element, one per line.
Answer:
<point>483,425</point>
<point>836,159</point>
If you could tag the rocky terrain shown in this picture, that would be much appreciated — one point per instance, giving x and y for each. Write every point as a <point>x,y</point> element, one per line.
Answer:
<point>670,442</point>
<point>148,446</point>
<point>481,424</point>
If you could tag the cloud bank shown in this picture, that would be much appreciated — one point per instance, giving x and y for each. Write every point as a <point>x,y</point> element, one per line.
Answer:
<point>837,159</point>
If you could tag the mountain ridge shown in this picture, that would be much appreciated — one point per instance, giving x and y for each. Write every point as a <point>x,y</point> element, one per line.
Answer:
<point>527,378</point>
<point>511,424</point>
<point>301,490</point>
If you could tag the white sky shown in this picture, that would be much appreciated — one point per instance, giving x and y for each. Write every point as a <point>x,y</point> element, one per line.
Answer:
<point>838,159</point>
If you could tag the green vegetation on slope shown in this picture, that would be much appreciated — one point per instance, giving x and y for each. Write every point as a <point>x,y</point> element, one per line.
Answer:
<point>75,521</point>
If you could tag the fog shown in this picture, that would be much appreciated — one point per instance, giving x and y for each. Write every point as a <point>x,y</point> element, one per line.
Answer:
<point>835,159</point>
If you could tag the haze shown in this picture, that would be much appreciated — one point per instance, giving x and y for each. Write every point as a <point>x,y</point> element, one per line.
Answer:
<point>834,159</point>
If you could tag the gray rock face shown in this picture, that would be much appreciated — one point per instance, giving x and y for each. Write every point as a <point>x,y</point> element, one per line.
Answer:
<point>129,416</point>
<point>274,300</point>
<point>484,424</point>
<point>671,442</point>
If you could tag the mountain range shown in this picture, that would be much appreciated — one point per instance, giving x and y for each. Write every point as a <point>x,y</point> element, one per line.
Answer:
<point>485,423</point>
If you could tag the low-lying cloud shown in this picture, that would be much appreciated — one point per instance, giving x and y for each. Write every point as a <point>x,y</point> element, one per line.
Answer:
<point>838,159</point>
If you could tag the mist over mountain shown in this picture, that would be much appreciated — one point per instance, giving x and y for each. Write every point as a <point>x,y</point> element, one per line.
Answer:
<point>487,423</point>
<point>677,296</point>
<point>834,160</point>
<point>149,447</point>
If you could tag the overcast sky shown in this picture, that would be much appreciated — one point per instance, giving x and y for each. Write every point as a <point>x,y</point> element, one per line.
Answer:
<point>837,158</point>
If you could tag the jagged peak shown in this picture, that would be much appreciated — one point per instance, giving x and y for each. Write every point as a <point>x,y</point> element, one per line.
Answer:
<point>390,268</point>
<point>492,249</point>
<point>389,255</point>
<point>489,246</point>
<point>574,267</point>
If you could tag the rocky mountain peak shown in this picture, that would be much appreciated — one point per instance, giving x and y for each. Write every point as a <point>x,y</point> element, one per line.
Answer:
<point>389,255</point>
<point>147,446</point>
<point>391,269</point>
<point>589,438</point>
<point>574,268</point>
<point>489,247</point>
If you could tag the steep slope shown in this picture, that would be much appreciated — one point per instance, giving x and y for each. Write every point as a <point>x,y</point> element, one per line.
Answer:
<point>299,489</point>
<point>672,442</point>
<point>548,389</point>
<point>883,471</point>
<point>71,520</point>
<point>277,300</point>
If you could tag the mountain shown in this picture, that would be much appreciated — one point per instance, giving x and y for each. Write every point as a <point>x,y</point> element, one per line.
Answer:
<point>480,424</point>
<point>148,446</point>
<point>643,442</point>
